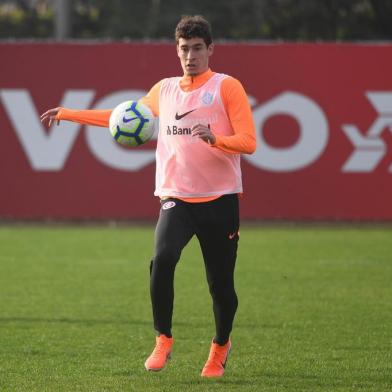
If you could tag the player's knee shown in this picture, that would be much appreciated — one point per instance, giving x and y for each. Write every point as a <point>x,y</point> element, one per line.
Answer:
<point>223,292</point>
<point>166,256</point>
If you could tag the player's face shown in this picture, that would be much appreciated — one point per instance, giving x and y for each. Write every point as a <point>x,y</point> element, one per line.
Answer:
<point>194,55</point>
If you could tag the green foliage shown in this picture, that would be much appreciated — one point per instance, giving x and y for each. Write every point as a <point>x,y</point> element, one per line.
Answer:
<point>231,19</point>
<point>315,311</point>
<point>25,22</point>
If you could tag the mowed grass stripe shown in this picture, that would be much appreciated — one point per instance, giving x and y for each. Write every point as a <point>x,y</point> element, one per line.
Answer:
<point>315,311</point>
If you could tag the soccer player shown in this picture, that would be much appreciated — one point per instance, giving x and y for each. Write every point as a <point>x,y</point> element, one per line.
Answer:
<point>198,181</point>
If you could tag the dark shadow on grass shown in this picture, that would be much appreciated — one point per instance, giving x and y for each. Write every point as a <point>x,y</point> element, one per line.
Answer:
<point>258,325</point>
<point>67,320</point>
<point>223,381</point>
<point>92,322</point>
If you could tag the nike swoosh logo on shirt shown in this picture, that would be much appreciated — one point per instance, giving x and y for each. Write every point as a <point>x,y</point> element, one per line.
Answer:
<point>180,116</point>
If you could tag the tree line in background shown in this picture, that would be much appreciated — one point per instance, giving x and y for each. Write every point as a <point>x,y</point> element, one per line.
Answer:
<point>231,19</point>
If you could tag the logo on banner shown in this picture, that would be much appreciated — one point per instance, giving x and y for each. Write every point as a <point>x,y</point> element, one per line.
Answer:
<point>370,148</point>
<point>49,151</point>
<point>313,139</point>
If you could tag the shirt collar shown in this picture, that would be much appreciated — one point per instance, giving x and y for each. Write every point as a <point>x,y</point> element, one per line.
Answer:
<point>189,83</point>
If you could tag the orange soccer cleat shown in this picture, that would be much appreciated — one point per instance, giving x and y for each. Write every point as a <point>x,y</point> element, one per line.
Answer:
<point>162,352</point>
<point>215,365</point>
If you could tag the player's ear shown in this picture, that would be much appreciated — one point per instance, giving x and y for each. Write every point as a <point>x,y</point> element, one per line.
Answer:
<point>210,49</point>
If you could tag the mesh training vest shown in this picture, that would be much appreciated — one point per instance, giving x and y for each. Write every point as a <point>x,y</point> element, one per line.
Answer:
<point>187,166</point>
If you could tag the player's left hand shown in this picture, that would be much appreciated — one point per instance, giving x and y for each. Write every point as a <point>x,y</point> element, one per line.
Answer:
<point>204,133</point>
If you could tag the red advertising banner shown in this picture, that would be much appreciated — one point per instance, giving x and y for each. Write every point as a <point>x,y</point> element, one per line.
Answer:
<point>323,115</point>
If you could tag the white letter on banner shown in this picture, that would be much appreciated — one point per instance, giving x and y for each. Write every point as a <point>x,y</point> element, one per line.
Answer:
<point>106,149</point>
<point>370,148</point>
<point>311,143</point>
<point>46,151</point>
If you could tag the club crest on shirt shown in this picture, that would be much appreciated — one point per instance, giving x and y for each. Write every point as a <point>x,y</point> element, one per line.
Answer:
<point>207,98</point>
<point>168,204</point>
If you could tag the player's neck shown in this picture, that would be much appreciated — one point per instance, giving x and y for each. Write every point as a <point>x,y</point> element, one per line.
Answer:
<point>192,82</point>
<point>198,75</point>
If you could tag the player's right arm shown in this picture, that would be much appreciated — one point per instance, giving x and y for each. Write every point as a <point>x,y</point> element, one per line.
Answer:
<point>97,117</point>
<point>86,117</point>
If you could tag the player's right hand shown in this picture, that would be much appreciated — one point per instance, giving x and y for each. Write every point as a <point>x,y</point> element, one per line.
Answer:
<point>49,116</point>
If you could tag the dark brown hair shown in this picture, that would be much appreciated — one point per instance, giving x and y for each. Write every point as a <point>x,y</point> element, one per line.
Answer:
<point>194,27</point>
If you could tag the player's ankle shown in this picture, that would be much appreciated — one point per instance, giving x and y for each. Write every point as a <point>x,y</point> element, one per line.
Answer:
<point>168,335</point>
<point>220,341</point>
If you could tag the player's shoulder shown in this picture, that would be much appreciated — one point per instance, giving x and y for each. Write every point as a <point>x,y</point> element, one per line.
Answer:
<point>223,75</point>
<point>170,80</point>
<point>169,84</point>
<point>230,83</point>
<point>157,87</point>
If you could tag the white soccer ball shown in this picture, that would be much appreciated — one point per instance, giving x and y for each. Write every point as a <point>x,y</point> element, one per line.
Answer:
<point>131,123</point>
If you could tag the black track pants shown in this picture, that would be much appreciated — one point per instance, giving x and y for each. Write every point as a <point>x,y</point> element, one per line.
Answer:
<point>216,225</point>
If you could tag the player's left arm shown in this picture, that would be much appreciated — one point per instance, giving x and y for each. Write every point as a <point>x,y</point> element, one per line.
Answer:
<point>235,101</point>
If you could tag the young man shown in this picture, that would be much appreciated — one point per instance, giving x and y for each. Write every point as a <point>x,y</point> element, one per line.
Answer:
<point>198,180</point>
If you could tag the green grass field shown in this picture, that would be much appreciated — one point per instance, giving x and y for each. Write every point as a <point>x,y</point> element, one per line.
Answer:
<point>315,311</point>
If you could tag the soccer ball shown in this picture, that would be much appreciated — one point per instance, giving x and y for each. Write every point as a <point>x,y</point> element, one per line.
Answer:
<point>131,123</point>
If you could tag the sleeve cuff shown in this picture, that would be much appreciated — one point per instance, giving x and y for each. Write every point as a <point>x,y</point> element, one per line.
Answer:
<point>60,114</point>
